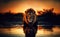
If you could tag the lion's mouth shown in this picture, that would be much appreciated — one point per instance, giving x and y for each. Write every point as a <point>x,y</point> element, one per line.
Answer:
<point>31,19</point>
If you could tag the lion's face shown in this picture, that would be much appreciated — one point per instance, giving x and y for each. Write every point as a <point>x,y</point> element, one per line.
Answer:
<point>30,17</point>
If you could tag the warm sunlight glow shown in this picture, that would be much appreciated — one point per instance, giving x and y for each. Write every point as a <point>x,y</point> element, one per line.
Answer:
<point>26,5</point>
<point>40,32</point>
<point>22,6</point>
<point>16,31</point>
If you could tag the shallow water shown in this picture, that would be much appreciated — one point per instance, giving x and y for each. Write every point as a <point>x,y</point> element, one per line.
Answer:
<point>18,32</point>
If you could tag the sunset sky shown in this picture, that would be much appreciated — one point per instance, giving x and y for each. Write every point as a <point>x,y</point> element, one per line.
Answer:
<point>22,5</point>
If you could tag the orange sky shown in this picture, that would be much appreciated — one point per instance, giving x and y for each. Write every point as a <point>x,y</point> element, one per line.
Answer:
<point>21,6</point>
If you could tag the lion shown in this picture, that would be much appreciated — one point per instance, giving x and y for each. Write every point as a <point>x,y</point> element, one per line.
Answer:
<point>30,23</point>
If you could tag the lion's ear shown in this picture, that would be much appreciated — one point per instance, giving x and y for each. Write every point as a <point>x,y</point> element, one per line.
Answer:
<point>25,12</point>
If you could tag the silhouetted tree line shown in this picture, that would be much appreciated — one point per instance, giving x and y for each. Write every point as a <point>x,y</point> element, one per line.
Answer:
<point>50,16</point>
<point>8,17</point>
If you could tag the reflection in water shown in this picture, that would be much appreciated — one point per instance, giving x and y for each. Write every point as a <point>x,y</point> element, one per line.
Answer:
<point>40,32</point>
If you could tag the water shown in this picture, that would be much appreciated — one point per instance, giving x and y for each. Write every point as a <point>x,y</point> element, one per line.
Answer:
<point>18,32</point>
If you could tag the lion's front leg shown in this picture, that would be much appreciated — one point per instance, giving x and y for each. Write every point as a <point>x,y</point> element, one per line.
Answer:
<point>30,32</point>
